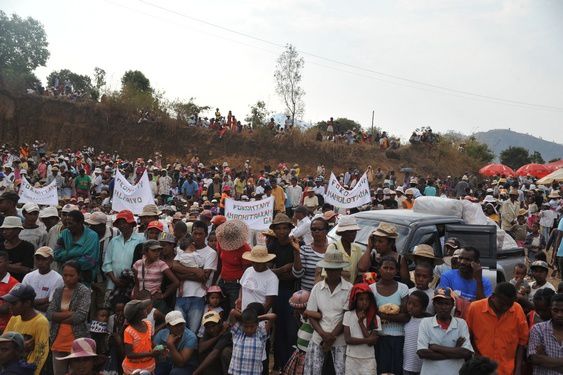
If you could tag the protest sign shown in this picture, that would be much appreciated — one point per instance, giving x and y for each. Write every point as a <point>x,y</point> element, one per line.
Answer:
<point>339,196</point>
<point>45,196</point>
<point>257,215</point>
<point>131,197</point>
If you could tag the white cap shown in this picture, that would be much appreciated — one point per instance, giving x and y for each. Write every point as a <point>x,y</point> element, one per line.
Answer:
<point>50,211</point>
<point>70,207</point>
<point>96,218</point>
<point>174,317</point>
<point>30,207</point>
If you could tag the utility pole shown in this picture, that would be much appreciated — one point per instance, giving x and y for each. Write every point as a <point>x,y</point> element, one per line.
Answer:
<point>372,116</point>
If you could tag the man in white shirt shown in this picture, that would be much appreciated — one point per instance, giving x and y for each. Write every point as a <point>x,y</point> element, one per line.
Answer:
<point>195,280</point>
<point>443,341</point>
<point>294,193</point>
<point>43,280</point>
<point>302,229</point>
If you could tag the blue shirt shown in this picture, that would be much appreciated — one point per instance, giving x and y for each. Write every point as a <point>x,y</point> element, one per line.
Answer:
<point>119,255</point>
<point>189,189</point>
<point>463,287</point>
<point>430,191</point>
<point>85,251</point>
<point>188,341</point>
<point>560,229</point>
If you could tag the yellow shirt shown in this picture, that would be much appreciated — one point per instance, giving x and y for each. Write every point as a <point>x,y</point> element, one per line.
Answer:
<point>38,328</point>
<point>353,258</point>
<point>279,199</point>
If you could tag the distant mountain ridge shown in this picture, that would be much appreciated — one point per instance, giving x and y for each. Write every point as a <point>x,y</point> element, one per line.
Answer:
<point>499,140</point>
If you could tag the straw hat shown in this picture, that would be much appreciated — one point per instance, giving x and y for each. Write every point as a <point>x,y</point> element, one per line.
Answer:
<point>513,191</point>
<point>522,212</point>
<point>346,223</point>
<point>489,199</point>
<point>425,251</point>
<point>554,195</point>
<point>269,233</point>
<point>232,235</point>
<point>150,210</point>
<point>385,230</point>
<point>259,254</point>
<point>333,259</point>
<point>281,219</point>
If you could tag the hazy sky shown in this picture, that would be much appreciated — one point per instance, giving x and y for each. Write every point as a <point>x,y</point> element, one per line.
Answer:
<point>507,49</point>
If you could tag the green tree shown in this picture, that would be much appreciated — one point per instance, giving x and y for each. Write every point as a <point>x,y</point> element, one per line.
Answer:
<point>258,115</point>
<point>287,75</point>
<point>79,82</point>
<point>23,47</point>
<point>536,157</point>
<point>341,125</point>
<point>515,157</point>
<point>183,110</point>
<point>134,80</point>
<point>478,151</point>
<point>99,78</point>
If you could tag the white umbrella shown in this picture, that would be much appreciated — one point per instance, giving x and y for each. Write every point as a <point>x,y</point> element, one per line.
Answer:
<point>554,176</point>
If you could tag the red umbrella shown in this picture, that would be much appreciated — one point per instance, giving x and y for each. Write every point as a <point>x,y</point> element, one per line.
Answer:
<point>555,165</point>
<point>533,169</point>
<point>494,169</point>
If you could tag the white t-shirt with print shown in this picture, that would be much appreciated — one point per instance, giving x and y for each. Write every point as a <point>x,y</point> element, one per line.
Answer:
<point>256,286</point>
<point>44,285</point>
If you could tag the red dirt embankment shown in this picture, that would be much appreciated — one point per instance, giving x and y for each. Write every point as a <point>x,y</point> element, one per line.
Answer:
<point>63,124</point>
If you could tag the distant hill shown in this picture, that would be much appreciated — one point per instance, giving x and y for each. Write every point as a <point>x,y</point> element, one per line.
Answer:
<point>500,139</point>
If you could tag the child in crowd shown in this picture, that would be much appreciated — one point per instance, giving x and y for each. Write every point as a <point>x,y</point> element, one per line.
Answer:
<point>99,330</point>
<point>188,257</point>
<point>13,352</point>
<point>422,277</point>
<point>214,298</point>
<point>212,240</point>
<point>547,217</point>
<point>519,280</point>
<point>139,354</point>
<point>539,273</point>
<point>542,307</point>
<point>296,362</point>
<point>153,314</point>
<point>520,229</point>
<point>417,304</point>
<point>116,327</point>
<point>534,243</point>
<point>249,341</point>
<point>361,325</point>
<point>390,296</point>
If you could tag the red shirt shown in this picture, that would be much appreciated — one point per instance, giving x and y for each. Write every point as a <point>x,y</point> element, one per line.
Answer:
<point>232,264</point>
<point>6,284</point>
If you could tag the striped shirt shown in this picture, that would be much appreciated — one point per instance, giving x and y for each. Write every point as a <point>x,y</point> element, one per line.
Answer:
<point>304,335</point>
<point>309,260</point>
<point>151,277</point>
<point>411,361</point>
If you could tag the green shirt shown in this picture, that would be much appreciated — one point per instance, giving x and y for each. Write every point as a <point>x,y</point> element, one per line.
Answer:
<point>82,182</point>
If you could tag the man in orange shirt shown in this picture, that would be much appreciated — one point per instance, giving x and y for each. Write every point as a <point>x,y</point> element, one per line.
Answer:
<point>498,329</point>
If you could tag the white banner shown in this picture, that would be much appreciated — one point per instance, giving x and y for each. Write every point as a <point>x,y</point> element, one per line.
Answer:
<point>257,215</point>
<point>338,196</point>
<point>131,197</point>
<point>45,196</point>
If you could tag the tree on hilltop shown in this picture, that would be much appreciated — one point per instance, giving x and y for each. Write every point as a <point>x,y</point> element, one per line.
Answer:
<point>258,115</point>
<point>341,125</point>
<point>136,81</point>
<point>288,82</point>
<point>78,81</point>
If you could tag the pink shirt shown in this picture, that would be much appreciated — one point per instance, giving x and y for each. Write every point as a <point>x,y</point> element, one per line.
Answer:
<point>153,274</point>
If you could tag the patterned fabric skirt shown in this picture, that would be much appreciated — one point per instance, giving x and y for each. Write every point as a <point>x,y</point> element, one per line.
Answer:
<point>296,363</point>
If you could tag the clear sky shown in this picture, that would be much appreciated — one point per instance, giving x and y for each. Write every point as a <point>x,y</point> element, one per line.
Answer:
<point>506,49</point>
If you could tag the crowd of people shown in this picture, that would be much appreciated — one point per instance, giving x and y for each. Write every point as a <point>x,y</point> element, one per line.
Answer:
<point>179,289</point>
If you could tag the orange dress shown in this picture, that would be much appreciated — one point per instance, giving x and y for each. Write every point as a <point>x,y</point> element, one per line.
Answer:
<point>141,342</point>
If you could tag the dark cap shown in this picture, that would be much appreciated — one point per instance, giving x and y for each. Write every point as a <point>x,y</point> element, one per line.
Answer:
<point>11,196</point>
<point>14,337</point>
<point>19,292</point>
<point>445,293</point>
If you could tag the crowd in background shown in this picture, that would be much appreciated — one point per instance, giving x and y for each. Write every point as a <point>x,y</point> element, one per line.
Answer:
<point>179,289</point>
